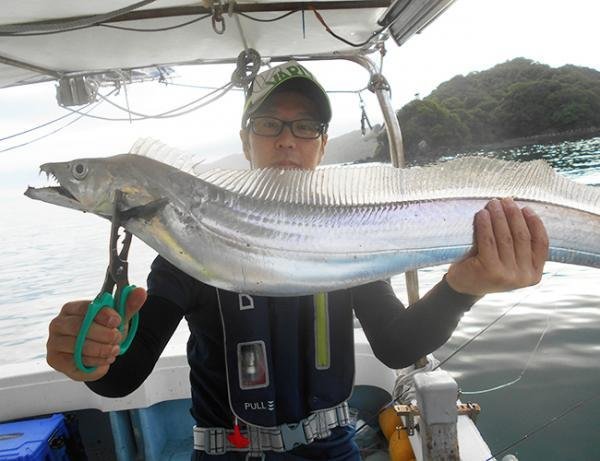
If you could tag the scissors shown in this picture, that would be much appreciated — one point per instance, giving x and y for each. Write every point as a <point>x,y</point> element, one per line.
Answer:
<point>116,275</point>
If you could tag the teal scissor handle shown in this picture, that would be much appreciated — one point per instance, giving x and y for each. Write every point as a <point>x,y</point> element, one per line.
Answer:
<point>103,300</point>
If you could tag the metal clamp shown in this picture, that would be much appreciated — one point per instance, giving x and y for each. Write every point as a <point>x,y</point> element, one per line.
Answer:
<point>470,409</point>
<point>218,23</point>
<point>379,82</point>
<point>410,411</point>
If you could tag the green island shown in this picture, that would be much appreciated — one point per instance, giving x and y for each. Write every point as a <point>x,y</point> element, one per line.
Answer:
<point>514,103</point>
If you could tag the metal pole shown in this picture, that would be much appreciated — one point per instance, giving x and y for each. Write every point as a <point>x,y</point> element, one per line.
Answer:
<point>379,85</point>
<point>381,88</point>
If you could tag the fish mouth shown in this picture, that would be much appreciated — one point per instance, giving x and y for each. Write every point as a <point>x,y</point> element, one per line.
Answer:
<point>32,192</point>
<point>55,194</point>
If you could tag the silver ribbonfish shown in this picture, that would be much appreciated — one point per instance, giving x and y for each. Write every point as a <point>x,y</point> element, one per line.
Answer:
<point>293,232</point>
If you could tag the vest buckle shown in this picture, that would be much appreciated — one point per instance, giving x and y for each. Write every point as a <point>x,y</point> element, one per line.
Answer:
<point>293,435</point>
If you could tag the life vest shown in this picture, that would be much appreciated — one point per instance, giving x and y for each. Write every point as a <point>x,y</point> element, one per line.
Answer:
<point>249,353</point>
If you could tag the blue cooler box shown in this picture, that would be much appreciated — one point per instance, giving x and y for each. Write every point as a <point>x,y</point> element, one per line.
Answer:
<point>41,439</point>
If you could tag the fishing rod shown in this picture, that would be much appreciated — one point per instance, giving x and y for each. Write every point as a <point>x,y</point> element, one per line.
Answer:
<point>490,325</point>
<point>545,425</point>
<point>525,368</point>
<point>371,418</point>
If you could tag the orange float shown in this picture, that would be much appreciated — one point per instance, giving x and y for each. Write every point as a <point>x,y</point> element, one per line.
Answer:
<point>393,429</point>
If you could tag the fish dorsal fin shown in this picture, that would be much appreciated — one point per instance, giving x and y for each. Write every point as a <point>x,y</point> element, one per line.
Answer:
<point>358,185</point>
<point>364,185</point>
<point>156,150</point>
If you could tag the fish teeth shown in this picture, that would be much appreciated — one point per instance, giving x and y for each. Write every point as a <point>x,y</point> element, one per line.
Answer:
<point>50,178</point>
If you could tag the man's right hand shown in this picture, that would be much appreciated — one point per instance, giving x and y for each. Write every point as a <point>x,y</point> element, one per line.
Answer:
<point>101,346</point>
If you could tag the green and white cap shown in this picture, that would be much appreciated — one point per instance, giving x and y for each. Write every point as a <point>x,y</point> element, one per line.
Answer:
<point>290,76</point>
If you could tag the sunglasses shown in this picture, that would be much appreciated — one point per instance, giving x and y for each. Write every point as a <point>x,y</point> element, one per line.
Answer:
<point>271,126</point>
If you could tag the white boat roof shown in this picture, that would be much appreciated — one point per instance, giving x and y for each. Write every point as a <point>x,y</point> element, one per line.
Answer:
<point>31,49</point>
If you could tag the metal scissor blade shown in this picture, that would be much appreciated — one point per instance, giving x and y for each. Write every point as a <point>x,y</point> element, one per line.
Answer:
<point>117,271</point>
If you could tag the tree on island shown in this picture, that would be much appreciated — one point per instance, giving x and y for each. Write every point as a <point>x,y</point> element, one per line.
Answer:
<point>515,99</point>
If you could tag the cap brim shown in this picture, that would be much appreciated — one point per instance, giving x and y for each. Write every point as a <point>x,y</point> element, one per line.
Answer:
<point>302,85</point>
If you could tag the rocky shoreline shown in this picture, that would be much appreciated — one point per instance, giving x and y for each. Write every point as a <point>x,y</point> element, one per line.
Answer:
<point>545,138</point>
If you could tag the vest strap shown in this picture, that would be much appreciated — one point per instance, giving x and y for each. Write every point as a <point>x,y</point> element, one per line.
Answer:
<point>285,437</point>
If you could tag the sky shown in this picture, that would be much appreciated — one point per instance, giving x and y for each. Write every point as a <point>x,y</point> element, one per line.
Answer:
<point>472,35</point>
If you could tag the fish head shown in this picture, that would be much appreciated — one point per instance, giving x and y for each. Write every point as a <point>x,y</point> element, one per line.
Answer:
<point>89,184</point>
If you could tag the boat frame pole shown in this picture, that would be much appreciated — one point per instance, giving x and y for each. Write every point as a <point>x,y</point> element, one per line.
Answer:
<point>379,85</point>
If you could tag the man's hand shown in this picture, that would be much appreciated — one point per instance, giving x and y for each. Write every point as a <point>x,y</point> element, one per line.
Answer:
<point>101,346</point>
<point>511,247</point>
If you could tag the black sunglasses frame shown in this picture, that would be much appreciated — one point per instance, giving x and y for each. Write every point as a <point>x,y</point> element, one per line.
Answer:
<point>322,127</point>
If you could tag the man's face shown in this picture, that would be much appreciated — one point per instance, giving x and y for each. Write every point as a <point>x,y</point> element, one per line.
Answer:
<point>284,150</point>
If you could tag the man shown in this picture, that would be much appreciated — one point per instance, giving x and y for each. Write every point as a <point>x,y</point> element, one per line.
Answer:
<point>276,362</point>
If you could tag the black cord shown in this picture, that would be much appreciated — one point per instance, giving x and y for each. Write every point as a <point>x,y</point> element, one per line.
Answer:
<point>342,39</point>
<point>51,32</point>
<point>69,25</point>
<point>254,18</point>
<point>131,29</point>
<point>162,29</point>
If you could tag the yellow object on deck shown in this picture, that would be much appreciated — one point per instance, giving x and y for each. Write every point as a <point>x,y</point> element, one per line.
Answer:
<point>399,446</point>
<point>388,421</point>
<point>393,429</point>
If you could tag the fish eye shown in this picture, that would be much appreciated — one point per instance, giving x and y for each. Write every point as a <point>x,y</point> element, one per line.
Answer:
<point>79,170</point>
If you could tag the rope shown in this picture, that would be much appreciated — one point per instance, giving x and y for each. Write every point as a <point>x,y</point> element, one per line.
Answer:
<point>364,119</point>
<point>163,114</point>
<point>247,67</point>
<point>168,114</point>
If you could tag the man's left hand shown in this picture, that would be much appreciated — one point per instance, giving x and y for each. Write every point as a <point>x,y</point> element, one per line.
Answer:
<point>511,247</point>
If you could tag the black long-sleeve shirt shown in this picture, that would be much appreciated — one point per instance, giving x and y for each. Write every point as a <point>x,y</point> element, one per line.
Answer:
<point>398,335</point>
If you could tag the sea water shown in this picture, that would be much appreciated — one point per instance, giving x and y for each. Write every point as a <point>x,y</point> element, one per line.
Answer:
<point>562,373</point>
<point>51,255</point>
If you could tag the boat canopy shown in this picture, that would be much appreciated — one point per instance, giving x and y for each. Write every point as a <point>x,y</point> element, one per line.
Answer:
<point>41,41</point>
